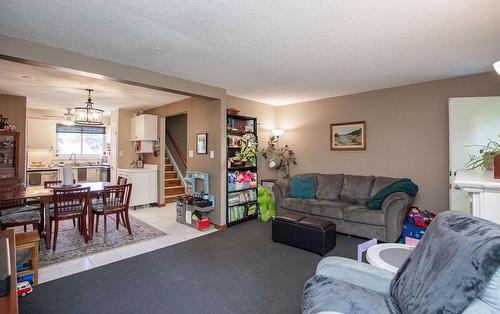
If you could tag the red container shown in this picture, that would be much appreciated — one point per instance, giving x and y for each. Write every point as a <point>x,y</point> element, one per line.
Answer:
<point>203,224</point>
<point>496,166</point>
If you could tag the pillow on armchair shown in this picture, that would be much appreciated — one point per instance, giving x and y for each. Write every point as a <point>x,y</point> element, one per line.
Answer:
<point>302,187</point>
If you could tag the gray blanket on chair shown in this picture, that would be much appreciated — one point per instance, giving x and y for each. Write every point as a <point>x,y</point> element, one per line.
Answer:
<point>450,266</point>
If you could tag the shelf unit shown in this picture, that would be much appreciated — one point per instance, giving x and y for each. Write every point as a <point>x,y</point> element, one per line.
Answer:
<point>9,155</point>
<point>238,126</point>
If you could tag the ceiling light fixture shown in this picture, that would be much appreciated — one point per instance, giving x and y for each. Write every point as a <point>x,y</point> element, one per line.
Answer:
<point>496,65</point>
<point>88,115</point>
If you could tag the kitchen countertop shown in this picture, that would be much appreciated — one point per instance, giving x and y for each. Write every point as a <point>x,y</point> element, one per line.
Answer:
<point>72,166</point>
<point>477,180</point>
<point>147,168</point>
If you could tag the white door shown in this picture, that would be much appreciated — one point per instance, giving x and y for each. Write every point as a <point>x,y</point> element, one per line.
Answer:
<point>472,120</point>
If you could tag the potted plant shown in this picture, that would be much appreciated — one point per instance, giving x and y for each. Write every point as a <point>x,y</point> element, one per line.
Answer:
<point>248,152</point>
<point>488,158</point>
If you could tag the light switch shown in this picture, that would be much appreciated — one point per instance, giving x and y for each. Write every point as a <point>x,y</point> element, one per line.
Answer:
<point>191,154</point>
<point>121,153</point>
<point>212,154</point>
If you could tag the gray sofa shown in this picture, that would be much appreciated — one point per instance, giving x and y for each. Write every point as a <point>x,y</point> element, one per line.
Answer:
<point>341,198</point>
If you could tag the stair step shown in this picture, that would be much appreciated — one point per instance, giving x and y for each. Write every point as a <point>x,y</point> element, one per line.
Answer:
<point>169,167</point>
<point>172,198</point>
<point>172,182</point>
<point>174,190</point>
<point>170,175</point>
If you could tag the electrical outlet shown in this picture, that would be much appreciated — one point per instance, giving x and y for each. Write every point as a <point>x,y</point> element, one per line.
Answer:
<point>212,154</point>
<point>191,154</point>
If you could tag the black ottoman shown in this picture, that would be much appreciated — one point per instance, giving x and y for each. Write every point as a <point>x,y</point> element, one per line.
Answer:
<point>313,234</point>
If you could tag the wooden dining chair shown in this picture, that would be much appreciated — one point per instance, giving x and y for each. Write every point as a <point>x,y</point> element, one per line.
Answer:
<point>121,180</point>
<point>69,204</point>
<point>115,200</point>
<point>15,212</point>
<point>52,184</point>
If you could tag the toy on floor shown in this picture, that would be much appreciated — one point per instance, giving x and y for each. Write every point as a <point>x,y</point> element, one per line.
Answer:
<point>24,288</point>
<point>267,207</point>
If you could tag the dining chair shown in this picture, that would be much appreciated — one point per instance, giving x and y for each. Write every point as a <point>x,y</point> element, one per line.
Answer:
<point>52,184</point>
<point>115,200</point>
<point>15,212</point>
<point>69,204</point>
<point>121,180</point>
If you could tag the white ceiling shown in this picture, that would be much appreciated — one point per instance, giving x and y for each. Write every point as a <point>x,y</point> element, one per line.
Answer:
<point>278,52</point>
<point>50,91</point>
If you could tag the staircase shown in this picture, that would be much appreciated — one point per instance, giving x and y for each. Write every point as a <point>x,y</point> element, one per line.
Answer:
<point>173,184</point>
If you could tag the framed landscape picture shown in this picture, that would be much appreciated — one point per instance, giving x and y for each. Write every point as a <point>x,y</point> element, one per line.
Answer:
<point>201,143</point>
<point>348,136</point>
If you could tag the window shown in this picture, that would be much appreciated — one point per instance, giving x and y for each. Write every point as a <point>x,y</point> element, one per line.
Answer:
<point>79,139</point>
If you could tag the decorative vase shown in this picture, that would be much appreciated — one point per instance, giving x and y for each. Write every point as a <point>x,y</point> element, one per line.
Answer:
<point>496,166</point>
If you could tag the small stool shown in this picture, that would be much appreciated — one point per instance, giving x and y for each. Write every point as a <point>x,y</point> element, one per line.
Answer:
<point>29,240</point>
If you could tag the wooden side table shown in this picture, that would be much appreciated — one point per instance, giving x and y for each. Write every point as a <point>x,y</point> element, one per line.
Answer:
<point>29,240</point>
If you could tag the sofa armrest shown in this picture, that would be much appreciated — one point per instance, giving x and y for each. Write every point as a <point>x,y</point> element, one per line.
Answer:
<point>395,207</point>
<point>357,273</point>
<point>280,190</point>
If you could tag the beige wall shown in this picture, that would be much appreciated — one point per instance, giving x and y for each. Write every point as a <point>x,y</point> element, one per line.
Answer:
<point>266,121</point>
<point>14,108</point>
<point>203,116</point>
<point>407,132</point>
<point>125,146</point>
<point>177,127</point>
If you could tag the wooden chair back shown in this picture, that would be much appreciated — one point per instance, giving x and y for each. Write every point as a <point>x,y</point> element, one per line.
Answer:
<point>121,180</point>
<point>11,185</point>
<point>51,184</point>
<point>71,201</point>
<point>116,197</point>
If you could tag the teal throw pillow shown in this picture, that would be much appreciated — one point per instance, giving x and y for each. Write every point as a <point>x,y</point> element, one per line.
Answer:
<point>302,187</point>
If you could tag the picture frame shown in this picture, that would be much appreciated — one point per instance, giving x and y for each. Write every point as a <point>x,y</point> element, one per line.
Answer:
<point>201,143</point>
<point>348,136</point>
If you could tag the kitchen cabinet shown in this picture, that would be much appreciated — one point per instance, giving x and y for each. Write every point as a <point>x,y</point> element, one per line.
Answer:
<point>144,184</point>
<point>93,175</point>
<point>41,134</point>
<point>144,128</point>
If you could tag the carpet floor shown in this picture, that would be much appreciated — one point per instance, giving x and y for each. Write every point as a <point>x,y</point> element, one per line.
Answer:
<point>240,270</point>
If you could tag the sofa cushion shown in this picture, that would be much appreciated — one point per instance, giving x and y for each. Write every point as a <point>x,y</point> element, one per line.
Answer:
<point>380,183</point>
<point>324,294</point>
<point>331,209</point>
<point>329,186</point>
<point>302,205</point>
<point>361,214</point>
<point>356,189</point>
<point>303,187</point>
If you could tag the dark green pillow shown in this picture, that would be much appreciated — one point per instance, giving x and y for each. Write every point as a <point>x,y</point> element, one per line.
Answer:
<point>302,187</point>
<point>403,185</point>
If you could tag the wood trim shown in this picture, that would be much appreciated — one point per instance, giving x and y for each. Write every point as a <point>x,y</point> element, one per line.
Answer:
<point>176,148</point>
<point>220,227</point>
<point>348,148</point>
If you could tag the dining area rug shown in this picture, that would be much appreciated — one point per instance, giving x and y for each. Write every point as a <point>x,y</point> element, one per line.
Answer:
<point>71,245</point>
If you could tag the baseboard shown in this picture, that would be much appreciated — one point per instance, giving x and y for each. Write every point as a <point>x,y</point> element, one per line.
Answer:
<point>220,227</point>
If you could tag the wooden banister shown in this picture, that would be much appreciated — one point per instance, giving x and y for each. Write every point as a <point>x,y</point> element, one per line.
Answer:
<point>178,151</point>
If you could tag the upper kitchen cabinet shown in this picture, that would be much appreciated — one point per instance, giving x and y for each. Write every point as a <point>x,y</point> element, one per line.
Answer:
<point>40,134</point>
<point>144,128</point>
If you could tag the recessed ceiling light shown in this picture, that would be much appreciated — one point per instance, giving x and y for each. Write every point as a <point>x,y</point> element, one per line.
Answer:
<point>25,77</point>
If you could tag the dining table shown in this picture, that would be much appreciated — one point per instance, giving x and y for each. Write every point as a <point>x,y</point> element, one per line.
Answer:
<point>46,196</point>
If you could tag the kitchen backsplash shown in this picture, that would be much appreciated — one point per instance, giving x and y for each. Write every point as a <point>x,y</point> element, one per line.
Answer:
<point>44,158</point>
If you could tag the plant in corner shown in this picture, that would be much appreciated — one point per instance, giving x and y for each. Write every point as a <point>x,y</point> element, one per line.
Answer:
<point>486,156</point>
<point>280,158</point>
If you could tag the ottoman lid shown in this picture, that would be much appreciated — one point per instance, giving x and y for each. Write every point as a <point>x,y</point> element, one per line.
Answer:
<point>291,217</point>
<point>315,223</point>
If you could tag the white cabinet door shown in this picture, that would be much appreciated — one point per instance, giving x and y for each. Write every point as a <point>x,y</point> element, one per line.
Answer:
<point>41,134</point>
<point>144,128</point>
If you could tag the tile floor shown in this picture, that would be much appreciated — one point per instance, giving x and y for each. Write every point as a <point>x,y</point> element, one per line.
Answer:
<point>162,218</point>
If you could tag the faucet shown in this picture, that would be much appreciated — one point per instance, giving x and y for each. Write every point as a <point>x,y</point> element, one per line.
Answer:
<point>71,157</point>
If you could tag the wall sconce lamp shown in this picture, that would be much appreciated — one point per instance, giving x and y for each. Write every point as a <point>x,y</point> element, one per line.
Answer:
<point>496,65</point>
<point>279,132</point>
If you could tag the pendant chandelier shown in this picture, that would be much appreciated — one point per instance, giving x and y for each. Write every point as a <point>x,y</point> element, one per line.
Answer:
<point>88,115</point>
